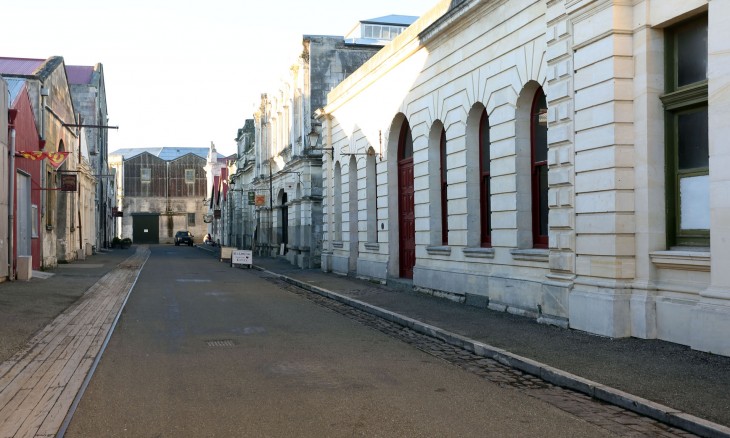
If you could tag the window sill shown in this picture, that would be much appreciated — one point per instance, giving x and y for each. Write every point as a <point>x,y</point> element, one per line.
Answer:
<point>531,255</point>
<point>372,246</point>
<point>685,260</point>
<point>479,252</point>
<point>337,244</point>
<point>439,250</point>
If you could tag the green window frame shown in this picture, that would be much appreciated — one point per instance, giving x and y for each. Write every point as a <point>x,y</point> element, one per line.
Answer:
<point>686,134</point>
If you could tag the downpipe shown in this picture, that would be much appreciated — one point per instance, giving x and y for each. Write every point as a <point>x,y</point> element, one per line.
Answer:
<point>11,204</point>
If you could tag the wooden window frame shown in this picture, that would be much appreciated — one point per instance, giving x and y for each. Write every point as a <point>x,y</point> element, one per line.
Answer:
<point>539,194</point>
<point>191,180</point>
<point>485,205</point>
<point>443,174</point>
<point>677,101</point>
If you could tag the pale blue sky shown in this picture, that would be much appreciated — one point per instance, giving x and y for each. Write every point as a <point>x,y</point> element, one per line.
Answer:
<point>182,73</point>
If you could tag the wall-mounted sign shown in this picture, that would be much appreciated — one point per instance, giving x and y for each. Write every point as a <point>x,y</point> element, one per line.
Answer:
<point>68,182</point>
<point>252,198</point>
<point>217,214</point>
<point>260,200</point>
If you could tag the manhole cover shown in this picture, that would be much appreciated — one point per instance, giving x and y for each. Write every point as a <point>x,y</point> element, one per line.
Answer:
<point>220,343</point>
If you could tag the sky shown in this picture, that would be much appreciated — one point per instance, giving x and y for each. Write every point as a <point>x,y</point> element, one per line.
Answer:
<point>182,73</point>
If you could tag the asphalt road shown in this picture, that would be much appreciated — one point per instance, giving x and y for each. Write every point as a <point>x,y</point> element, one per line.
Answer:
<point>203,350</point>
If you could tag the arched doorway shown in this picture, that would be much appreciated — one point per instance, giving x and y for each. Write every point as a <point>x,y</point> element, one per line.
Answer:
<point>406,205</point>
<point>284,222</point>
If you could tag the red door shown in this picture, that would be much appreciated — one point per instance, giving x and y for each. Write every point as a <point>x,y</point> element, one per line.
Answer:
<point>407,218</point>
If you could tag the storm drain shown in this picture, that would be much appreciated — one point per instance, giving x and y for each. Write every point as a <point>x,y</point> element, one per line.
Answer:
<point>220,343</point>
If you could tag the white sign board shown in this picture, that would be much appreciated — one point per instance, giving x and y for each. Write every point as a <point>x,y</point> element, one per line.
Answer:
<point>242,257</point>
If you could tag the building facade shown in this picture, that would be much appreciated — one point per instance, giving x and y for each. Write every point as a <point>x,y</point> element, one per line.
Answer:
<point>68,190</point>
<point>163,191</point>
<point>27,173</point>
<point>4,182</point>
<point>217,218</point>
<point>287,166</point>
<point>88,91</point>
<point>561,160</point>
<point>241,206</point>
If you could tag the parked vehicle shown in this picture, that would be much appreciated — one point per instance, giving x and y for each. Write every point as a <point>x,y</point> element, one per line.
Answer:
<point>183,237</point>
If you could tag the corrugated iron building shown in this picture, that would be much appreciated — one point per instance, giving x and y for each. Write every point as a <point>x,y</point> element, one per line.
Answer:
<point>163,192</point>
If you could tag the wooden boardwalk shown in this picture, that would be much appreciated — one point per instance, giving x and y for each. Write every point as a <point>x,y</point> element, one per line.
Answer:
<point>39,384</point>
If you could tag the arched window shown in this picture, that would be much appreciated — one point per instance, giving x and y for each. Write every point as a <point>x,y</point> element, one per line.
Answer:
<point>337,207</point>
<point>405,142</point>
<point>371,189</point>
<point>444,197</point>
<point>484,189</point>
<point>538,137</point>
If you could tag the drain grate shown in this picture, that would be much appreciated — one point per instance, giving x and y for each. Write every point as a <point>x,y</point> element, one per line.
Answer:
<point>220,343</point>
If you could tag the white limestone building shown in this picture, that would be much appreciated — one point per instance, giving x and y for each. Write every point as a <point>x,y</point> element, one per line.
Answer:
<point>560,159</point>
<point>285,172</point>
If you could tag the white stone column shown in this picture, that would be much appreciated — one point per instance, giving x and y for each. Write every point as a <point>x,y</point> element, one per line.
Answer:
<point>648,161</point>
<point>711,316</point>
<point>604,143</point>
<point>561,175</point>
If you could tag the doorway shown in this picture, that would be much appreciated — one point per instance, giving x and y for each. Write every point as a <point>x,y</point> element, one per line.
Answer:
<point>406,203</point>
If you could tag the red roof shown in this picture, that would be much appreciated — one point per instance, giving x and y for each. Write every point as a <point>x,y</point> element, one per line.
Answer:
<point>19,66</point>
<point>79,74</point>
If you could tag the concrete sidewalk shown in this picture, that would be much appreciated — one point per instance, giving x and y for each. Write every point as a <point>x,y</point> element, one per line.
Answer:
<point>39,382</point>
<point>666,381</point>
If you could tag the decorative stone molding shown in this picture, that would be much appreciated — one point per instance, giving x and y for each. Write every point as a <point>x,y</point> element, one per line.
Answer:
<point>439,250</point>
<point>338,245</point>
<point>532,255</point>
<point>683,260</point>
<point>372,246</point>
<point>478,253</point>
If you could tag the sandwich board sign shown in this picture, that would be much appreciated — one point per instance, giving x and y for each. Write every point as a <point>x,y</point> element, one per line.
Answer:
<point>242,257</point>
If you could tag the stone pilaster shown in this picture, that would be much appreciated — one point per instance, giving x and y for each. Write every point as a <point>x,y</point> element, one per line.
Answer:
<point>604,175</point>
<point>711,316</point>
<point>561,196</point>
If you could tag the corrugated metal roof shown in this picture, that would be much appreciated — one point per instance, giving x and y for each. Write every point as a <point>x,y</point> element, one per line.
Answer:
<point>15,86</point>
<point>79,74</point>
<point>165,153</point>
<point>397,20</point>
<point>19,66</point>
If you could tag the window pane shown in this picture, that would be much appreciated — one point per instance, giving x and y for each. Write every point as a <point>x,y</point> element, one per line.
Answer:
<point>694,197</point>
<point>484,142</point>
<point>543,200</point>
<point>406,141</point>
<point>539,128</point>
<point>486,224</point>
<point>443,155</point>
<point>189,175</point>
<point>692,140</point>
<point>692,53</point>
